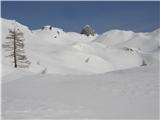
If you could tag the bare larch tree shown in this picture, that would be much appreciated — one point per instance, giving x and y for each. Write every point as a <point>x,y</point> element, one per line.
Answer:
<point>15,46</point>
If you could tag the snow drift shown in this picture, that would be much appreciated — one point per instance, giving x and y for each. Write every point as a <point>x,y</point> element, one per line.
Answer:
<point>121,94</point>
<point>55,51</point>
<point>73,76</point>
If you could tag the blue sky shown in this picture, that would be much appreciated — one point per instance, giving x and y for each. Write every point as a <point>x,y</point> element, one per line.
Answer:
<point>72,16</point>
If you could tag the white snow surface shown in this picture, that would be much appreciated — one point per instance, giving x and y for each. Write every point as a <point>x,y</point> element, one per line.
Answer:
<point>62,52</point>
<point>73,76</point>
<point>123,94</point>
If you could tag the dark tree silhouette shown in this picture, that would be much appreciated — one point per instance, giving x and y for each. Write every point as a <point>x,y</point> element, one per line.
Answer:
<point>15,46</point>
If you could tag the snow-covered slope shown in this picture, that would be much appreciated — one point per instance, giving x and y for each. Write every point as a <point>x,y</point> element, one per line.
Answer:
<point>113,75</point>
<point>122,94</point>
<point>143,41</point>
<point>146,42</point>
<point>113,37</point>
<point>52,50</point>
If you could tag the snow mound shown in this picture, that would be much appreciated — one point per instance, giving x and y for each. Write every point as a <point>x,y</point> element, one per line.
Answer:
<point>143,41</point>
<point>52,50</point>
<point>140,41</point>
<point>114,37</point>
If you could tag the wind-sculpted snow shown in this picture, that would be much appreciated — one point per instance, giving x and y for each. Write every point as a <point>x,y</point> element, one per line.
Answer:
<point>52,50</point>
<point>124,94</point>
<point>113,75</point>
<point>113,37</point>
<point>140,41</point>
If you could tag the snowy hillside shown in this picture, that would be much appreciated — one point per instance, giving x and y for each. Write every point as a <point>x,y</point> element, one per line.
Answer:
<point>113,37</point>
<point>55,51</point>
<point>146,42</point>
<point>71,75</point>
<point>122,94</point>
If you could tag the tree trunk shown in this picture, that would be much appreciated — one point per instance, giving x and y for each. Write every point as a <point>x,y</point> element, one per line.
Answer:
<point>14,51</point>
